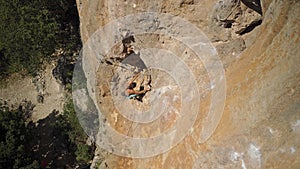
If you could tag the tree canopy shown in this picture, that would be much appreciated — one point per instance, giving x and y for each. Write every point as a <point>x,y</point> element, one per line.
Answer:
<point>31,30</point>
<point>14,137</point>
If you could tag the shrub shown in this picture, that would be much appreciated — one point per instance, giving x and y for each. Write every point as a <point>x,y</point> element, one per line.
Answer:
<point>14,138</point>
<point>69,125</point>
<point>31,30</point>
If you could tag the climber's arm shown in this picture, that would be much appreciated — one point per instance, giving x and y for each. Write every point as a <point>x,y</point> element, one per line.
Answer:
<point>133,79</point>
<point>131,91</point>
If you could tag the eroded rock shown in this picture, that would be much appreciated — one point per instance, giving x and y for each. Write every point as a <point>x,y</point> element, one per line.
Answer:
<point>259,126</point>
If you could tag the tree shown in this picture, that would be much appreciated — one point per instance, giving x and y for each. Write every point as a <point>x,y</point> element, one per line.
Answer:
<point>31,30</point>
<point>83,153</point>
<point>68,124</point>
<point>14,137</point>
<point>28,32</point>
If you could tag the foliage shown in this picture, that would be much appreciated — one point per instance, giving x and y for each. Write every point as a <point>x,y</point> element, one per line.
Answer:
<point>83,152</point>
<point>68,123</point>
<point>69,114</point>
<point>14,136</point>
<point>32,29</point>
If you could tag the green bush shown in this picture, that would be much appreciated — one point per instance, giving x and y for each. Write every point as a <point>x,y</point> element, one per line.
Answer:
<point>83,153</point>
<point>76,132</point>
<point>31,30</point>
<point>28,32</point>
<point>68,124</point>
<point>14,138</point>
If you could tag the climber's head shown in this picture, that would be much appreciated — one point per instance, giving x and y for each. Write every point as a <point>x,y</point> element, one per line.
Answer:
<point>130,49</point>
<point>132,85</point>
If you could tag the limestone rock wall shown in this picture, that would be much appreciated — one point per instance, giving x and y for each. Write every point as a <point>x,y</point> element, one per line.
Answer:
<point>258,44</point>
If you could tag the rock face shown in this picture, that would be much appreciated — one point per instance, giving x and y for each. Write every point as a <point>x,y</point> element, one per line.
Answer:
<point>43,91</point>
<point>258,44</point>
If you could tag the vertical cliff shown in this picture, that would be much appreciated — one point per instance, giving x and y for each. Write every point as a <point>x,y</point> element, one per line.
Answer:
<point>258,45</point>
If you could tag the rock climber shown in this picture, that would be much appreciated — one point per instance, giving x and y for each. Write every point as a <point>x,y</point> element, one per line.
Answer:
<point>129,51</point>
<point>143,86</point>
